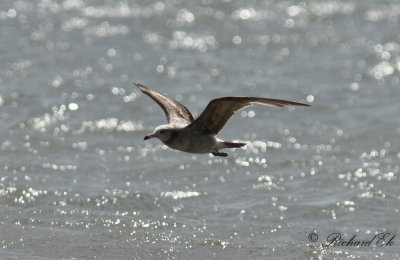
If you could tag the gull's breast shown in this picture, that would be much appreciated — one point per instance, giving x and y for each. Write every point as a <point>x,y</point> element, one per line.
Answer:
<point>190,143</point>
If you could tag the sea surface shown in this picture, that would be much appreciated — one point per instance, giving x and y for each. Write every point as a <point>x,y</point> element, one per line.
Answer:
<point>77,180</point>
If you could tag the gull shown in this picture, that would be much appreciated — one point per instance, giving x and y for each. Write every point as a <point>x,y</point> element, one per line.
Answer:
<point>184,133</point>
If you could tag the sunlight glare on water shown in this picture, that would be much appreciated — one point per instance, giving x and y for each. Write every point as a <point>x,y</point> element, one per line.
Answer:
<point>77,180</point>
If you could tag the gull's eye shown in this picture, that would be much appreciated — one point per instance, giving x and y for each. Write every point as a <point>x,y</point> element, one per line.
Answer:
<point>162,131</point>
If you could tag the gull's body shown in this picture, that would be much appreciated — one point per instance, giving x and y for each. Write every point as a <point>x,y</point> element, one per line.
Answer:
<point>182,139</point>
<point>186,134</point>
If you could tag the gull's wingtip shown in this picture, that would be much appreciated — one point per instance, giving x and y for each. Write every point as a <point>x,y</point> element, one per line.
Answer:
<point>292,103</point>
<point>140,86</point>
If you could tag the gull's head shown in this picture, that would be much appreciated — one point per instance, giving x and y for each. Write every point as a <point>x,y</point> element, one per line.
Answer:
<point>163,132</point>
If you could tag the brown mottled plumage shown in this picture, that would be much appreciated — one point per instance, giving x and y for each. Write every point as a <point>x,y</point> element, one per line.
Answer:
<point>198,136</point>
<point>172,108</point>
<point>220,110</point>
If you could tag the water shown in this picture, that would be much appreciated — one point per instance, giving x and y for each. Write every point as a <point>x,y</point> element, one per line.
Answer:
<point>78,181</point>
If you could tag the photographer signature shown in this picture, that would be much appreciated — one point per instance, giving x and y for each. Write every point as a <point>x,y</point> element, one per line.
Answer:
<point>337,240</point>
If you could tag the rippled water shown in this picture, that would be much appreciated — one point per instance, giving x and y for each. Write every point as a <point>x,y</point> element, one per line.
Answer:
<point>78,181</point>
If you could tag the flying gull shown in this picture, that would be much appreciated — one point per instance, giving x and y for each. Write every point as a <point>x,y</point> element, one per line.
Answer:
<point>184,133</point>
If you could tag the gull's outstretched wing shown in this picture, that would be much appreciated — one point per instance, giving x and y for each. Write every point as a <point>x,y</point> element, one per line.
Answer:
<point>174,110</point>
<point>220,110</point>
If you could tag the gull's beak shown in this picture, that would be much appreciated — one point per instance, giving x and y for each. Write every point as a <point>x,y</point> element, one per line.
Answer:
<point>148,136</point>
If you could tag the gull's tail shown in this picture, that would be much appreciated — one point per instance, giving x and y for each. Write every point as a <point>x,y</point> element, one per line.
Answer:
<point>233,145</point>
<point>223,145</point>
